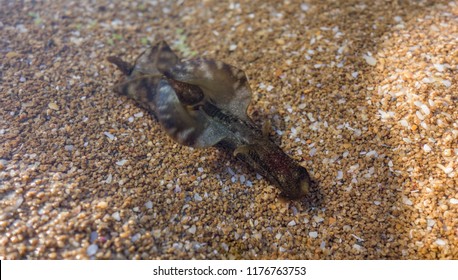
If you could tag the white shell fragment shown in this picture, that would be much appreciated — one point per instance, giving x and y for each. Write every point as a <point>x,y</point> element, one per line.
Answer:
<point>440,242</point>
<point>192,229</point>
<point>407,201</point>
<point>370,60</point>
<point>92,249</point>
<point>427,148</point>
<point>53,106</point>
<point>109,135</point>
<point>149,204</point>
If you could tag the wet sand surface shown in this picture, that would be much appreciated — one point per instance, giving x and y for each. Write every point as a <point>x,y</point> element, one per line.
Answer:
<point>362,94</point>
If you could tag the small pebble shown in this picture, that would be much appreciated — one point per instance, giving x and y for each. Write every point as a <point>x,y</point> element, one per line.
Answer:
<point>53,106</point>
<point>109,135</point>
<point>109,179</point>
<point>121,162</point>
<point>406,201</point>
<point>397,19</point>
<point>102,205</point>
<point>448,170</point>
<point>357,247</point>
<point>372,154</point>
<point>135,237</point>
<point>427,148</point>
<point>138,115</point>
<point>116,216</point>
<point>149,204</point>
<point>92,250</point>
<point>447,83</point>
<point>18,202</point>
<point>93,237</point>
<point>439,67</point>
<point>157,233</point>
<point>440,242</point>
<point>192,229</point>
<point>69,148</point>
<point>197,197</point>
<point>305,7</point>
<point>370,60</point>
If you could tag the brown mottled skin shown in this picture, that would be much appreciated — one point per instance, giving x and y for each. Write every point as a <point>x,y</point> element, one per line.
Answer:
<point>202,103</point>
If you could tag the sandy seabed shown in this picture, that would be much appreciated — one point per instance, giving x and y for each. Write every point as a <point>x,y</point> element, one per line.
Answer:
<point>361,93</point>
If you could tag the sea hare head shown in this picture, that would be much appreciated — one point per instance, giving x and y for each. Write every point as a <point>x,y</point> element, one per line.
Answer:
<point>298,186</point>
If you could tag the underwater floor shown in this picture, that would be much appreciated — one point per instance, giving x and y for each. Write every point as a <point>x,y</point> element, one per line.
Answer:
<point>361,93</point>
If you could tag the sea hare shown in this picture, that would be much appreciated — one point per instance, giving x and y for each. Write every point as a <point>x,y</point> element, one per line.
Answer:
<point>202,103</point>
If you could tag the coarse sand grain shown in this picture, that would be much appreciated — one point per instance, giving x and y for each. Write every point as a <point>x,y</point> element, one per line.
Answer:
<point>361,93</point>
